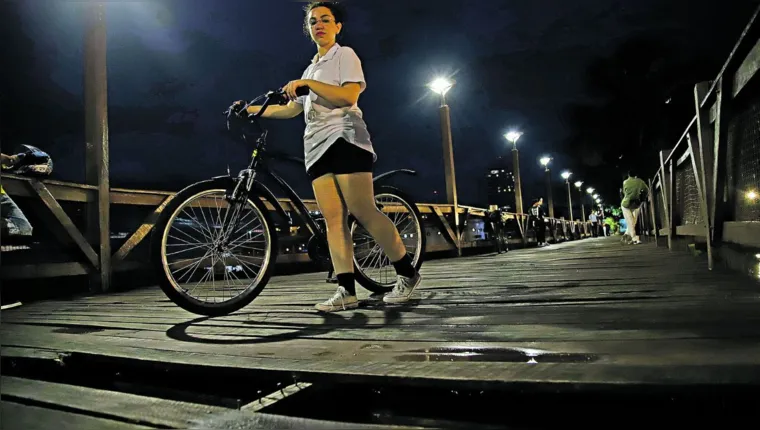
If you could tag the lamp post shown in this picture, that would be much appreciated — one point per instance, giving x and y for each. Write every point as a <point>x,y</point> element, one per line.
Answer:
<point>578,185</point>
<point>441,86</point>
<point>512,137</point>
<point>566,176</point>
<point>545,162</point>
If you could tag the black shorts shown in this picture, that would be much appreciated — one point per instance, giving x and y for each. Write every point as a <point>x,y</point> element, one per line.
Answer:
<point>342,158</point>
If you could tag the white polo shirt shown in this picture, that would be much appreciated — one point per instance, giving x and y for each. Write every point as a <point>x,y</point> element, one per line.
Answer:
<point>325,122</point>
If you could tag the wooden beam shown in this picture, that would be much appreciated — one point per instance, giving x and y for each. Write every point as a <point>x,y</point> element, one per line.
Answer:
<point>666,181</point>
<point>65,222</point>
<point>720,188</point>
<point>652,212</point>
<point>96,138</point>
<point>51,270</point>
<point>450,234</point>
<point>747,70</point>
<point>140,233</point>
<point>700,152</point>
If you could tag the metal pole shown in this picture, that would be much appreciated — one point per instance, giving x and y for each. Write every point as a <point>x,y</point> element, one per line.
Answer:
<point>448,166</point>
<point>518,182</point>
<point>549,192</point>
<point>569,200</point>
<point>96,141</point>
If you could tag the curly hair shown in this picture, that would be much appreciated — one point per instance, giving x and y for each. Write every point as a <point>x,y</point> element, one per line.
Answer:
<point>336,9</point>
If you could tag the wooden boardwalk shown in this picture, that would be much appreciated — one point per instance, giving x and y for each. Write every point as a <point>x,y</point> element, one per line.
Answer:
<point>587,313</point>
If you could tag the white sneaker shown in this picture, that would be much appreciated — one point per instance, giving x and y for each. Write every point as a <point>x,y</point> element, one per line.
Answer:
<point>340,301</point>
<point>403,289</point>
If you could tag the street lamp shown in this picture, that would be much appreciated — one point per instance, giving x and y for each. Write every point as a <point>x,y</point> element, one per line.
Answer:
<point>566,176</point>
<point>545,160</point>
<point>513,136</point>
<point>441,86</point>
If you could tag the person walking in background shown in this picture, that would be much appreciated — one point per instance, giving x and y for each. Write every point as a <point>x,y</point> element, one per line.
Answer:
<point>635,191</point>
<point>537,222</point>
<point>592,218</point>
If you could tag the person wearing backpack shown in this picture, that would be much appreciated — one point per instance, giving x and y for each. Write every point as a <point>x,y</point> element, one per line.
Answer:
<point>635,192</point>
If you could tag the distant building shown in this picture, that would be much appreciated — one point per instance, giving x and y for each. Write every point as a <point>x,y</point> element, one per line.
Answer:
<point>501,187</point>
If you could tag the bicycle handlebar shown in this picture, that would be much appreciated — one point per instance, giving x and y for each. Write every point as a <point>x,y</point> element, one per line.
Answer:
<point>277,97</point>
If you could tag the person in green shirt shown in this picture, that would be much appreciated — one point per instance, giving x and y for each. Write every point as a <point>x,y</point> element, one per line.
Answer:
<point>635,192</point>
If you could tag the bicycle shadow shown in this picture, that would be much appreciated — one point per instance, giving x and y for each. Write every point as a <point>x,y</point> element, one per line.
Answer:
<point>330,322</point>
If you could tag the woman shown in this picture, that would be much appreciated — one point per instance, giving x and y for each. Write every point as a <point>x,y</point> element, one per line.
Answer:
<point>339,156</point>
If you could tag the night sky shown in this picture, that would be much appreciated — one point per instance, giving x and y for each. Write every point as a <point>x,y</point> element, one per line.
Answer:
<point>174,66</point>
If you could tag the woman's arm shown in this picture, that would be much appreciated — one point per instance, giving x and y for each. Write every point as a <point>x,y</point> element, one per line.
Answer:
<point>291,110</point>
<point>340,96</point>
<point>345,96</point>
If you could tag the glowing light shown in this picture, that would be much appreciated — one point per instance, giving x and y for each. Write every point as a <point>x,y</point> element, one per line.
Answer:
<point>579,184</point>
<point>752,195</point>
<point>566,175</point>
<point>595,196</point>
<point>545,161</point>
<point>590,190</point>
<point>441,86</point>
<point>512,136</point>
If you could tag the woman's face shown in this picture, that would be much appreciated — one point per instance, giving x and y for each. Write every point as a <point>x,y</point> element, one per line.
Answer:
<point>322,26</point>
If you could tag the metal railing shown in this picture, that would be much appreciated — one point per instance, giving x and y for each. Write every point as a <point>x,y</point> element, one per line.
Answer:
<point>708,185</point>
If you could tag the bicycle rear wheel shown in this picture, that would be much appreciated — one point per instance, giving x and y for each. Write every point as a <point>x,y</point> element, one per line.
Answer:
<point>372,268</point>
<point>213,257</point>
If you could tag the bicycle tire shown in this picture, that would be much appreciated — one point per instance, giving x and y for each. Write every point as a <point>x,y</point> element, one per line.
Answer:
<point>158,254</point>
<point>384,287</point>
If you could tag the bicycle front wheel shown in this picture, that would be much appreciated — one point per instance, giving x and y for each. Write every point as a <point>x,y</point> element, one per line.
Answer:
<point>373,269</point>
<point>213,256</point>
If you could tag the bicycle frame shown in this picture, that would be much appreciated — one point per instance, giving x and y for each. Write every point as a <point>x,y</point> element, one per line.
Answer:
<point>259,165</point>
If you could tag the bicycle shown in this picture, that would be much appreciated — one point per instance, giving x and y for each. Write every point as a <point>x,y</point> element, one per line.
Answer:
<point>190,257</point>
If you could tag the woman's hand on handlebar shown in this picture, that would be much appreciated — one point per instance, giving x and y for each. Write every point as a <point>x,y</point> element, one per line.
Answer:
<point>294,89</point>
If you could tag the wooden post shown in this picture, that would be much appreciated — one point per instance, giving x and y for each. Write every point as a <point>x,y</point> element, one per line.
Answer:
<point>96,137</point>
<point>448,168</point>
<point>518,181</point>
<point>652,211</point>
<point>721,189</point>
<point>665,183</point>
<point>698,166</point>
<point>549,192</point>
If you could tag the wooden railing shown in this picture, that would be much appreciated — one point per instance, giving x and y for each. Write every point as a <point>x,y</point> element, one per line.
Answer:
<point>46,198</point>
<point>708,185</point>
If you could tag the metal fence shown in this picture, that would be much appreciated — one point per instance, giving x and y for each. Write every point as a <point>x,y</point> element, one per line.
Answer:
<point>708,185</point>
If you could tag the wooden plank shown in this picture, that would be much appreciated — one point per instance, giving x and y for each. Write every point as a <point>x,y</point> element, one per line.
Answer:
<point>141,232</point>
<point>68,226</point>
<point>667,199</point>
<point>131,408</point>
<point>745,233</point>
<point>690,230</point>
<point>50,270</point>
<point>16,416</point>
